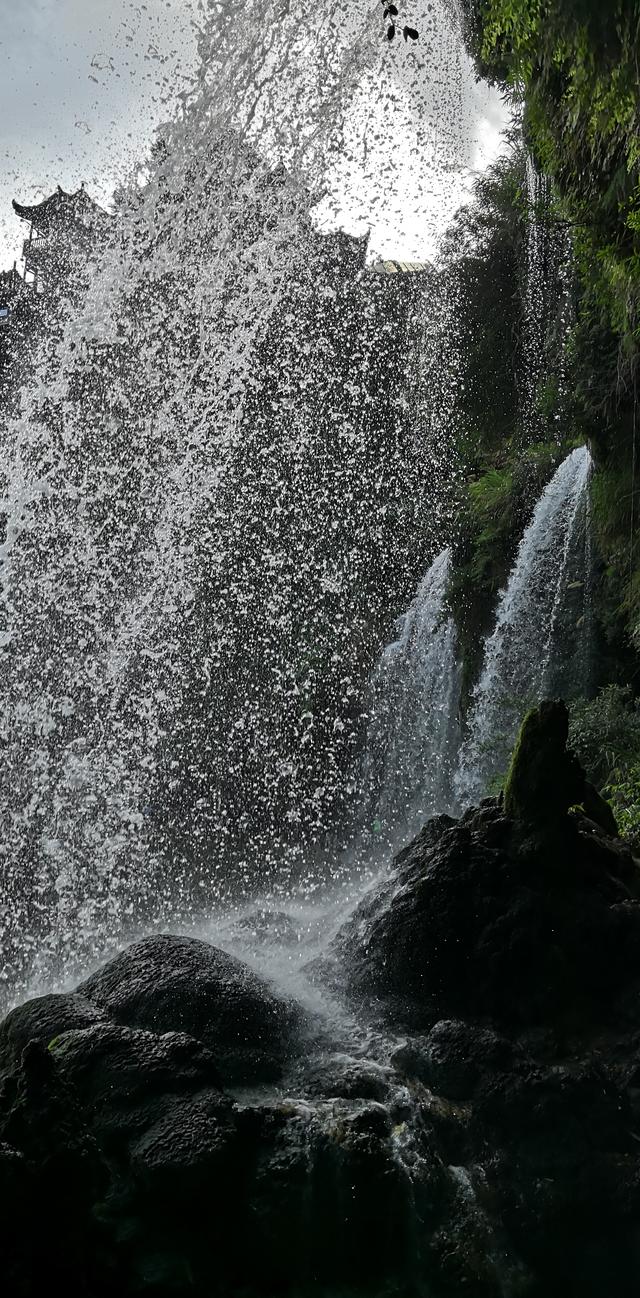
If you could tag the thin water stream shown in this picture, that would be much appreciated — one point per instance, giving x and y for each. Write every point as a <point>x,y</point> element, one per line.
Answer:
<point>526,657</point>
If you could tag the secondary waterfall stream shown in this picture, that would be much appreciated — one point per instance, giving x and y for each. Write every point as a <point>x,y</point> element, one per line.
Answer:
<point>536,628</point>
<point>413,734</point>
<point>416,760</point>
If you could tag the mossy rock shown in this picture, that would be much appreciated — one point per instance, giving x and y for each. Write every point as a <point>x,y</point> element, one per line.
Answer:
<point>544,779</point>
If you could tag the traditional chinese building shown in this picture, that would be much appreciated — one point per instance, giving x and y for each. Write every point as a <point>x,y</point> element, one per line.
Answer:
<point>18,322</point>
<point>64,231</point>
<point>12,291</point>
<point>60,227</point>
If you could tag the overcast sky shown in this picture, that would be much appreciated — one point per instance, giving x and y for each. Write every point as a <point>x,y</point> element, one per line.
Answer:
<point>84,82</point>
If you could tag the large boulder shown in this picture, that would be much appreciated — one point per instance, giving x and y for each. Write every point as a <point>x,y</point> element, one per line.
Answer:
<point>42,1020</point>
<point>181,984</point>
<point>127,1079</point>
<point>52,1175</point>
<point>481,920</point>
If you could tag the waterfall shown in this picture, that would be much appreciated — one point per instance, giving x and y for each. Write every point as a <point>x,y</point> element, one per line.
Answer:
<point>535,305</point>
<point>413,730</point>
<point>534,650</point>
<point>548,304</point>
<point>212,490</point>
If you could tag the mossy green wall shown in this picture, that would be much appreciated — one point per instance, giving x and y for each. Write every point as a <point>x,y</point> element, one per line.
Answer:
<point>573,65</point>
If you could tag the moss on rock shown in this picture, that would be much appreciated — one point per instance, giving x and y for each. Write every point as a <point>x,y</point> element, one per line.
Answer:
<point>544,779</point>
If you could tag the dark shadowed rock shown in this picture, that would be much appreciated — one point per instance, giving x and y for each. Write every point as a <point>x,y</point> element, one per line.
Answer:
<point>186,1144</point>
<point>41,1020</point>
<point>454,1057</point>
<point>128,1079</point>
<point>329,1206</point>
<point>472,924</point>
<point>52,1174</point>
<point>497,1154</point>
<point>180,984</point>
<point>566,1174</point>
<point>544,779</point>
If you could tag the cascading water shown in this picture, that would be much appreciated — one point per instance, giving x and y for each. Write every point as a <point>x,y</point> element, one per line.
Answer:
<point>547,301</point>
<point>539,632</point>
<point>210,497</point>
<point>537,187</point>
<point>413,732</point>
<point>214,492</point>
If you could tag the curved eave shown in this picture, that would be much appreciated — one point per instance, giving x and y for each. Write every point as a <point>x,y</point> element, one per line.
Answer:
<point>60,201</point>
<point>26,213</point>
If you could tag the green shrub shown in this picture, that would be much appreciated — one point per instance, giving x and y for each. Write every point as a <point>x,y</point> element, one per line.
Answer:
<point>623,793</point>
<point>604,733</point>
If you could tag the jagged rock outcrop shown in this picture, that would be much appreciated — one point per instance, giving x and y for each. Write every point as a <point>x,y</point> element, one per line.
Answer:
<point>544,778</point>
<point>469,925</point>
<point>521,920</point>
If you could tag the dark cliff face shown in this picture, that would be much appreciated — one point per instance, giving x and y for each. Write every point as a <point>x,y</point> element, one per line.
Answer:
<point>177,1127</point>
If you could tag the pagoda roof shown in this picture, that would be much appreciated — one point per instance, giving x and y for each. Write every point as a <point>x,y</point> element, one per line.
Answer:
<point>60,206</point>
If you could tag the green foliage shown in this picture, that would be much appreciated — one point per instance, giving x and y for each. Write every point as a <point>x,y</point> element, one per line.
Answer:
<point>496,785</point>
<point>483,255</point>
<point>507,450</point>
<point>575,67</point>
<point>499,504</point>
<point>604,733</point>
<point>491,514</point>
<point>623,793</point>
<point>496,508</point>
<point>615,501</point>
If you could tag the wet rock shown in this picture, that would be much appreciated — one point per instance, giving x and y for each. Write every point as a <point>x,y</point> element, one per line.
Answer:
<point>329,1205</point>
<point>429,835</point>
<point>469,1254</point>
<point>544,779</point>
<point>472,925</point>
<point>565,1175</point>
<point>42,1020</point>
<point>128,1079</point>
<point>498,1154</point>
<point>52,1173</point>
<point>346,1079</point>
<point>186,1146</point>
<point>454,1057</point>
<point>180,984</point>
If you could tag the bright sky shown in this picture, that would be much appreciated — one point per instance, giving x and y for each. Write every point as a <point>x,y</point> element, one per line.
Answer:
<point>424,127</point>
<point>84,82</point>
